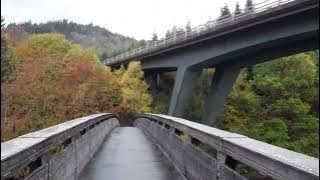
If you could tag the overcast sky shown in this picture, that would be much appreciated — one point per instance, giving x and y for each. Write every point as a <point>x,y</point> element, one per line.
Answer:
<point>133,18</point>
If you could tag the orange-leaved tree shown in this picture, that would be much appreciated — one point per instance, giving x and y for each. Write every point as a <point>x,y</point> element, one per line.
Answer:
<point>57,81</point>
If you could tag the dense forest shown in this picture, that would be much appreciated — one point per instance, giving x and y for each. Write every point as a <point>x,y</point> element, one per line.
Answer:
<point>51,73</point>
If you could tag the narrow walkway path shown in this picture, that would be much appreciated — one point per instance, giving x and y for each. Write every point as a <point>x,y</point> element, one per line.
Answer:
<point>128,155</point>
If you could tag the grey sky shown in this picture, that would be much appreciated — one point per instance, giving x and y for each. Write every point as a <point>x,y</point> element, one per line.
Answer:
<point>133,18</point>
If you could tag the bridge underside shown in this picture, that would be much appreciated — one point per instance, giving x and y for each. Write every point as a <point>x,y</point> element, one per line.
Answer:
<point>128,154</point>
<point>267,39</point>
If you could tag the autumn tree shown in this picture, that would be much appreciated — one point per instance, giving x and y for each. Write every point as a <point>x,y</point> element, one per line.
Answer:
<point>57,81</point>
<point>52,44</point>
<point>135,96</point>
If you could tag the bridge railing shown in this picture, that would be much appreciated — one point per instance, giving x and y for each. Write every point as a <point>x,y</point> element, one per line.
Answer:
<point>267,6</point>
<point>59,152</point>
<point>201,152</point>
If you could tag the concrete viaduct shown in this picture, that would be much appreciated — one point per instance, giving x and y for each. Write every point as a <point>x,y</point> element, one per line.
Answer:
<point>270,30</point>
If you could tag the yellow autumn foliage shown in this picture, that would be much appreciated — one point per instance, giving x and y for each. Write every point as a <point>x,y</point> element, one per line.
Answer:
<point>134,89</point>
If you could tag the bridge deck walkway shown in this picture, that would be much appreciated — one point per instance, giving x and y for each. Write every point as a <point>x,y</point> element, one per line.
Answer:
<point>128,154</point>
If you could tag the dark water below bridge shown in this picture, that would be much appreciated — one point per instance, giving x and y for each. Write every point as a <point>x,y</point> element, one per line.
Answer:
<point>127,154</point>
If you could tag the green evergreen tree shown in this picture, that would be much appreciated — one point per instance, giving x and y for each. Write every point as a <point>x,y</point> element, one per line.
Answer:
<point>142,42</point>
<point>174,30</point>
<point>188,27</point>
<point>249,73</point>
<point>237,10</point>
<point>154,37</point>
<point>249,5</point>
<point>104,56</point>
<point>7,70</point>
<point>7,60</point>
<point>225,12</point>
<point>168,34</point>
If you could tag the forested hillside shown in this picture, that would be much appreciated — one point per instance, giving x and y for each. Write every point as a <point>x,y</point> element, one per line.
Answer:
<point>103,41</point>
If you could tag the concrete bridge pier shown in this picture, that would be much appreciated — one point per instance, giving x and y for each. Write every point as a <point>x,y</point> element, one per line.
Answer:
<point>223,79</point>
<point>150,80</point>
<point>154,79</point>
<point>184,85</point>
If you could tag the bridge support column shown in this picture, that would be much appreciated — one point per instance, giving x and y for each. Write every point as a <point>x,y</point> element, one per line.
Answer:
<point>222,82</point>
<point>185,82</point>
<point>151,80</point>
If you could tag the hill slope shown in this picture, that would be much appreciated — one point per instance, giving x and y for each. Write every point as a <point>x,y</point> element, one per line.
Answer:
<point>105,43</point>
